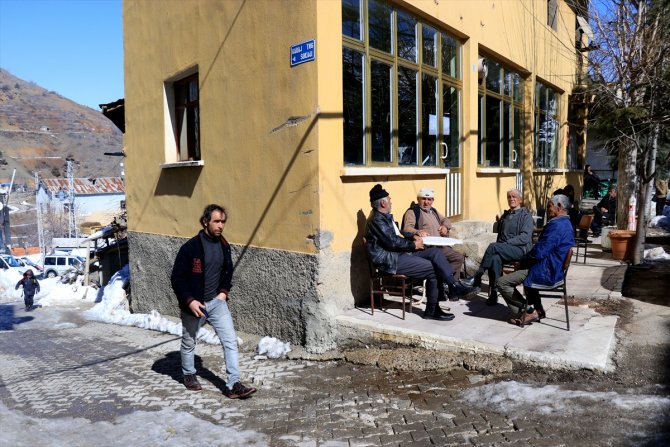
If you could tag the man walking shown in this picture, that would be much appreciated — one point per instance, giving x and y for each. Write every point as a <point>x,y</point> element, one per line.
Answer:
<point>394,253</point>
<point>201,279</point>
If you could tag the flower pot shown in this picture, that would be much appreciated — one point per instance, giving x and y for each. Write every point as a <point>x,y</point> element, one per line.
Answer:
<point>622,244</point>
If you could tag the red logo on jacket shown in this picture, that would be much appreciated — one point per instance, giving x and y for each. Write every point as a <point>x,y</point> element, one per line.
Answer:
<point>197,265</point>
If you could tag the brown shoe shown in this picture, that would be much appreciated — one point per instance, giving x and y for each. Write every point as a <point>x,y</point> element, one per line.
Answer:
<point>191,382</point>
<point>240,391</point>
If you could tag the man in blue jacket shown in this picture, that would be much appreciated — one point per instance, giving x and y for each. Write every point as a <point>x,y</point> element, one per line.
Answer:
<point>393,252</point>
<point>543,264</point>
<point>201,279</point>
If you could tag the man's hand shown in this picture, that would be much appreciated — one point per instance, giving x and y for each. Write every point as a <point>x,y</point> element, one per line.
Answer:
<point>444,231</point>
<point>197,308</point>
<point>421,233</point>
<point>604,210</point>
<point>418,244</point>
<point>223,296</point>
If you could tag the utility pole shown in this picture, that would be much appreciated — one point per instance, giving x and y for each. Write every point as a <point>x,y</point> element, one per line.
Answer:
<point>40,225</point>
<point>72,220</point>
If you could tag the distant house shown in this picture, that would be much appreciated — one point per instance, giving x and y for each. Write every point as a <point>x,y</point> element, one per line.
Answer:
<point>95,200</point>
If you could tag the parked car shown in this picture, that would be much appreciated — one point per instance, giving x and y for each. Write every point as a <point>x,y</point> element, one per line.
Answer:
<point>29,262</point>
<point>56,265</point>
<point>9,262</point>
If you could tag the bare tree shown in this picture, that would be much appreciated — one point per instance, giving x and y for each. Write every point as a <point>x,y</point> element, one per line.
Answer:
<point>628,65</point>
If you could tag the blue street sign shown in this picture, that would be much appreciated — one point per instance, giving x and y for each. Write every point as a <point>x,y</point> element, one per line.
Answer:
<point>303,52</point>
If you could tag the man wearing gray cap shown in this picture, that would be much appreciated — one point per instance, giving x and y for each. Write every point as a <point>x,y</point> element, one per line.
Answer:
<point>424,220</point>
<point>395,253</point>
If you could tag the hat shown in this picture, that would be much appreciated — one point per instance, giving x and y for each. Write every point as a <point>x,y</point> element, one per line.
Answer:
<point>377,192</point>
<point>428,193</point>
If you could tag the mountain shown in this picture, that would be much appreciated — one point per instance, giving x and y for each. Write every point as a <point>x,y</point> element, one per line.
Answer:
<point>39,129</point>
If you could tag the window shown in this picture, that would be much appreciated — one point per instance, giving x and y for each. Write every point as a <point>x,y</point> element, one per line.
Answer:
<point>500,118</point>
<point>187,118</point>
<point>552,14</point>
<point>399,75</point>
<point>546,126</point>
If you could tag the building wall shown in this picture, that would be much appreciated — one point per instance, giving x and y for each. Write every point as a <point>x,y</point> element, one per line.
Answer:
<point>271,141</point>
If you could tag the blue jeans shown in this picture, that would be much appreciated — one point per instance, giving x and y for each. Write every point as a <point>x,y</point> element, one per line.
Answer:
<point>222,321</point>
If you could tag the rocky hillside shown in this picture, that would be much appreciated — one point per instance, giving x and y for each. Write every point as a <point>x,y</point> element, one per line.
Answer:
<point>39,129</point>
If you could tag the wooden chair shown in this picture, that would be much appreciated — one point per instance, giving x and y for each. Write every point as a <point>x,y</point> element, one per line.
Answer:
<point>560,287</point>
<point>581,234</point>
<point>385,284</point>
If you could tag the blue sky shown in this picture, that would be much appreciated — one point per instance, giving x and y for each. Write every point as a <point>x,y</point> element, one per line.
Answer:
<point>72,47</point>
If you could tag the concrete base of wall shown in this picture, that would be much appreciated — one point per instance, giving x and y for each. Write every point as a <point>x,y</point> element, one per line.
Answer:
<point>274,292</point>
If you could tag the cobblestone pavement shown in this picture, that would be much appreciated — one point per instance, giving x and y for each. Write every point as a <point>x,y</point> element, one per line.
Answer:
<point>69,367</point>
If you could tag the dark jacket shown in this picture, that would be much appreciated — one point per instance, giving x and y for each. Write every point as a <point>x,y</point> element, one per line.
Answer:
<point>549,252</point>
<point>607,202</point>
<point>516,228</point>
<point>30,286</point>
<point>188,272</point>
<point>383,245</point>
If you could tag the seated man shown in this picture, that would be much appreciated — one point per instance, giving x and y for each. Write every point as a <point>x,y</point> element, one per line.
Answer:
<point>605,208</point>
<point>392,253</point>
<point>424,220</point>
<point>542,266</point>
<point>515,239</point>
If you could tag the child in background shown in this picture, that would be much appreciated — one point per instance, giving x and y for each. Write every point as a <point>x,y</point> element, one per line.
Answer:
<point>30,288</point>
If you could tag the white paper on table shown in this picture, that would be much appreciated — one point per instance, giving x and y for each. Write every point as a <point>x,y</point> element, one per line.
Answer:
<point>441,241</point>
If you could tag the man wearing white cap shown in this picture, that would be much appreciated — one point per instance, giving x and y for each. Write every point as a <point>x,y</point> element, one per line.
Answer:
<point>424,220</point>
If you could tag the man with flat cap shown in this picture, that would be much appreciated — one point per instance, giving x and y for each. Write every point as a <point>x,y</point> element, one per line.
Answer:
<point>395,253</point>
<point>423,220</point>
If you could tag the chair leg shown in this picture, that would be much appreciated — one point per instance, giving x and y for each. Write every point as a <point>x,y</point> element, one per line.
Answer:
<point>565,301</point>
<point>404,292</point>
<point>372,298</point>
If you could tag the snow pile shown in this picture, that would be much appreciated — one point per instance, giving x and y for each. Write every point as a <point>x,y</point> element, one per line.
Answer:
<point>52,292</point>
<point>113,308</point>
<point>656,254</point>
<point>273,348</point>
<point>167,428</point>
<point>517,399</point>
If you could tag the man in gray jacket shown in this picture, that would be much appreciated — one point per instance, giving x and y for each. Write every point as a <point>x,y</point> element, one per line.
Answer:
<point>515,239</point>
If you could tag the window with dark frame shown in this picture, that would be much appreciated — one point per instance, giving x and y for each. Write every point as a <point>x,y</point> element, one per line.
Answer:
<point>500,120</point>
<point>546,126</point>
<point>187,114</point>
<point>401,88</point>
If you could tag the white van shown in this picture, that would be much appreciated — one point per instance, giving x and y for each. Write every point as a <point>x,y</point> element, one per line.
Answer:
<point>56,265</point>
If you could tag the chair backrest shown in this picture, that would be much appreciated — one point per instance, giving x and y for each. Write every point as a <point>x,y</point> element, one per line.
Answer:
<point>585,222</point>
<point>371,266</point>
<point>566,262</point>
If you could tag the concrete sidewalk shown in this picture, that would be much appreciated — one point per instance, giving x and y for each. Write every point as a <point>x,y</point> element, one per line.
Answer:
<point>478,328</point>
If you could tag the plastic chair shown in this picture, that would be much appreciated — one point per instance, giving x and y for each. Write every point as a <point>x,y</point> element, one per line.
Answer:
<point>382,283</point>
<point>559,287</point>
<point>582,232</point>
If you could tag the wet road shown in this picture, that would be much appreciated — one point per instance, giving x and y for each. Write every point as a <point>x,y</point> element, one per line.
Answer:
<point>56,366</point>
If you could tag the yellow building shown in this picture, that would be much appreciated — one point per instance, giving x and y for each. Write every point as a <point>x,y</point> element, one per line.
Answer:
<point>288,111</point>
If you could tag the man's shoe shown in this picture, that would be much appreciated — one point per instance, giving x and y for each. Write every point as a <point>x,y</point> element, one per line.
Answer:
<point>492,300</point>
<point>439,317</point>
<point>191,382</point>
<point>240,391</point>
<point>440,311</point>
<point>473,281</point>
<point>460,289</point>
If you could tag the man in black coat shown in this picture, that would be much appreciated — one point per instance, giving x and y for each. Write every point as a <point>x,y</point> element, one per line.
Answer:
<point>395,253</point>
<point>201,279</point>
